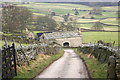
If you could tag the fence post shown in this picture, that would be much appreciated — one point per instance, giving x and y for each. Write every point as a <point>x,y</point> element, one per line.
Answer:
<point>15,59</point>
<point>111,68</point>
<point>6,43</point>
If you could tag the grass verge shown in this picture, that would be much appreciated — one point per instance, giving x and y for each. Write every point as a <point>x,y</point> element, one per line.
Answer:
<point>96,69</point>
<point>37,66</point>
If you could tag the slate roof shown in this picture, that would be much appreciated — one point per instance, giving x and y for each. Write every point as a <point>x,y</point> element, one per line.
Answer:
<point>57,35</point>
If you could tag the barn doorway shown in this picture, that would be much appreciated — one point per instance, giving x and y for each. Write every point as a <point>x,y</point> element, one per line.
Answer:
<point>66,44</point>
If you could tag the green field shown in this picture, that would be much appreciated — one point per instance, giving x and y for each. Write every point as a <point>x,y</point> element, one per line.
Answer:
<point>90,25</point>
<point>86,20</point>
<point>112,21</point>
<point>10,43</point>
<point>105,36</point>
<point>111,8</point>
<point>61,9</point>
<point>35,32</point>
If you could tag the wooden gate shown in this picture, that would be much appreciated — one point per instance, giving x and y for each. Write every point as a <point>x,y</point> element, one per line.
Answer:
<point>9,62</point>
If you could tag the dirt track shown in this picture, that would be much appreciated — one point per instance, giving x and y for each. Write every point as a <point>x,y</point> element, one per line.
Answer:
<point>68,66</point>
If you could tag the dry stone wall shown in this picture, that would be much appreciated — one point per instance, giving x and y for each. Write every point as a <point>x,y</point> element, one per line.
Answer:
<point>28,53</point>
<point>104,54</point>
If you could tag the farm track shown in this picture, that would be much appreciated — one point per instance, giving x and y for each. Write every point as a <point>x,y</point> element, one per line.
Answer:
<point>68,66</point>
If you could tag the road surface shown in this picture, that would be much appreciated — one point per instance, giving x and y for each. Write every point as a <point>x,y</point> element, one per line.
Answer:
<point>68,66</point>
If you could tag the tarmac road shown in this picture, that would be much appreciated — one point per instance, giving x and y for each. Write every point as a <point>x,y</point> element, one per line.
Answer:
<point>68,66</point>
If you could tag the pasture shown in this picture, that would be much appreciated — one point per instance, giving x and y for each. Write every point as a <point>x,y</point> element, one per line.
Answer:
<point>105,36</point>
<point>90,25</point>
<point>10,43</point>
<point>86,20</point>
<point>60,9</point>
<point>43,9</point>
<point>111,21</point>
<point>111,8</point>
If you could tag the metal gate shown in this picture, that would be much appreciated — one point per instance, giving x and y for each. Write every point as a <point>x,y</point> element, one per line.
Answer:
<point>9,62</point>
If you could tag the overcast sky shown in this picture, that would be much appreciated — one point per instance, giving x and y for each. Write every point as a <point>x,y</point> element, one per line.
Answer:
<point>60,0</point>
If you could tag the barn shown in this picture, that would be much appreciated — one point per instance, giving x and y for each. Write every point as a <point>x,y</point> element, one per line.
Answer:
<point>65,39</point>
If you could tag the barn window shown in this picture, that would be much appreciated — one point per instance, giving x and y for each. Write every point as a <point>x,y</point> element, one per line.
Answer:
<point>66,44</point>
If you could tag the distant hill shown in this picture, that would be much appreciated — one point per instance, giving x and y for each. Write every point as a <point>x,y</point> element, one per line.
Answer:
<point>59,0</point>
<point>83,2</point>
<point>91,3</point>
<point>73,0</point>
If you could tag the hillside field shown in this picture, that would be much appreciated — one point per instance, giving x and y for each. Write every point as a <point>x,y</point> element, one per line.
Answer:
<point>42,9</point>
<point>105,36</point>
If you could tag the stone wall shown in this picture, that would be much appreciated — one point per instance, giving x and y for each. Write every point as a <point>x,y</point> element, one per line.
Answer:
<point>104,54</point>
<point>27,53</point>
<point>73,42</point>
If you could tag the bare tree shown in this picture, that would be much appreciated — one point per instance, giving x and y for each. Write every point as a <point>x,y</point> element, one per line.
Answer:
<point>15,18</point>
<point>46,23</point>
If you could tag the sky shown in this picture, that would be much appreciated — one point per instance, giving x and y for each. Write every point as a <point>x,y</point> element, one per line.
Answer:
<point>60,0</point>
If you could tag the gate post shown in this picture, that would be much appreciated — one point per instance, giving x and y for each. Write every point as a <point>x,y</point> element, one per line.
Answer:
<point>15,59</point>
<point>0,64</point>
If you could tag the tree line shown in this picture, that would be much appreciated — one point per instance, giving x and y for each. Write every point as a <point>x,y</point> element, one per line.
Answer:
<point>15,19</point>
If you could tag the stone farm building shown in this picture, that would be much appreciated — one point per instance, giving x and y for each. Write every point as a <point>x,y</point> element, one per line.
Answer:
<point>66,39</point>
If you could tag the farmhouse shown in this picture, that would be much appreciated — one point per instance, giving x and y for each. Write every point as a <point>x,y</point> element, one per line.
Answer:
<point>66,39</point>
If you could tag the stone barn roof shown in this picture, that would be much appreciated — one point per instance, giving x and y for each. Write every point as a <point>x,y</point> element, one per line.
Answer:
<point>57,35</point>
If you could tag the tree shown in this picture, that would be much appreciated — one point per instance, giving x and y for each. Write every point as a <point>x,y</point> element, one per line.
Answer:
<point>76,12</point>
<point>96,11</point>
<point>69,27</point>
<point>97,26</point>
<point>53,13</point>
<point>71,19</point>
<point>46,23</point>
<point>66,17</point>
<point>62,25</point>
<point>83,17</point>
<point>68,14</point>
<point>92,17</point>
<point>15,18</point>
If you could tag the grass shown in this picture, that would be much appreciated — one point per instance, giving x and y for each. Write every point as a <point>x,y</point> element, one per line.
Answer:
<point>88,26</point>
<point>86,20</point>
<point>58,8</point>
<point>36,66</point>
<point>58,18</point>
<point>62,9</point>
<point>106,14</point>
<point>112,21</point>
<point>111,8</point>
<point>39,14</point>
<point>96,69</point>
<point>35,32</point>
<point>105,36</point>
<point>111,28</point>
<point>10,43</point>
